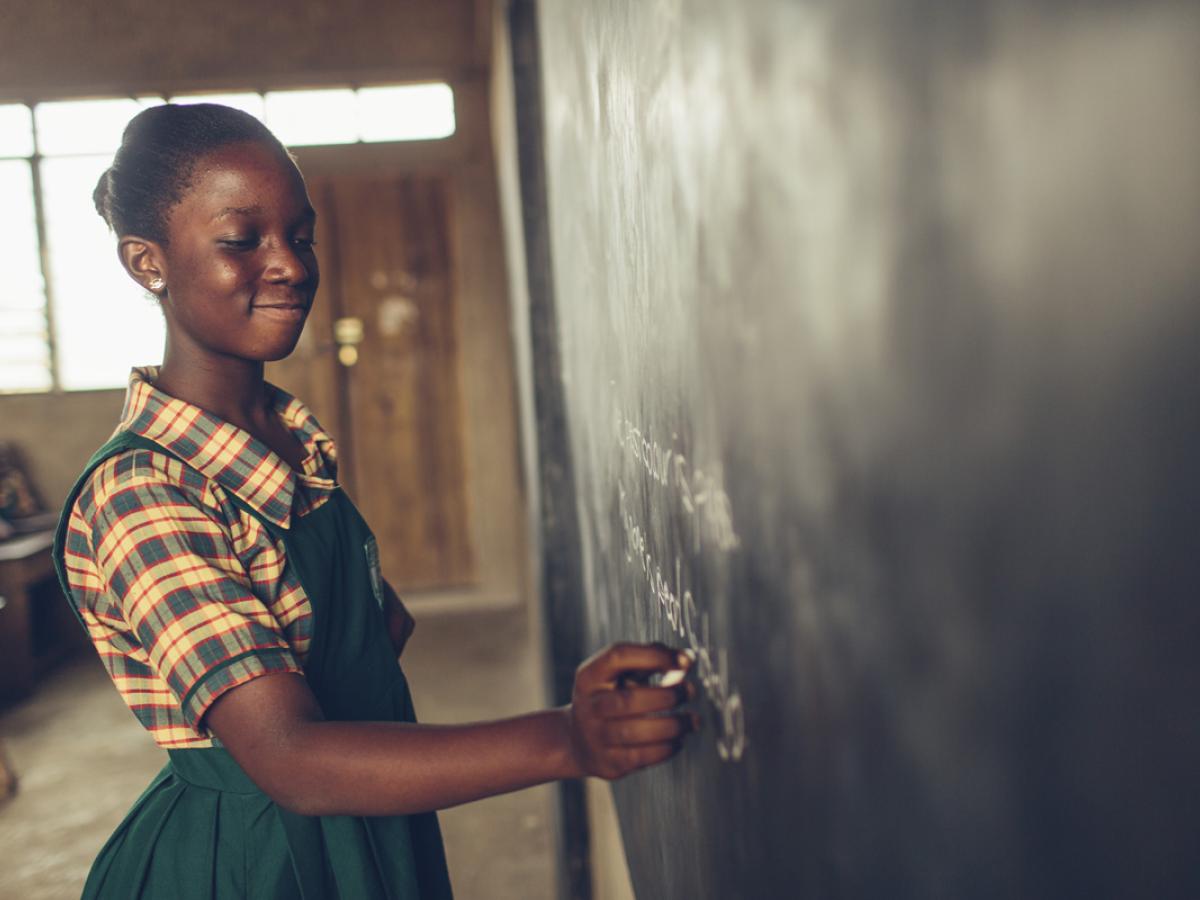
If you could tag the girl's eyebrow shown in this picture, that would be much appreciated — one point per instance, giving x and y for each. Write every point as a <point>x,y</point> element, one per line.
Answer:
<point>238,211</point>
<point>307,213</point>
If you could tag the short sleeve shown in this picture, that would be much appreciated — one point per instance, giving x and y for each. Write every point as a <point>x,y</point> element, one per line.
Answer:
<point>169,564</point>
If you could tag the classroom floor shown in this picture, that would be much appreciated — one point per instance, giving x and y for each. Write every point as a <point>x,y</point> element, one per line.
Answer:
<point>82,760</point>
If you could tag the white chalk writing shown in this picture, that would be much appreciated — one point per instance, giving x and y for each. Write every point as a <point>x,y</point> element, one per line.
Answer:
<point>679,607</point>
<point>700,493</point>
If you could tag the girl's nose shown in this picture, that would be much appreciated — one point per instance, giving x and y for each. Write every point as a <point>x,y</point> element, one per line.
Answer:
<point>286,264</point>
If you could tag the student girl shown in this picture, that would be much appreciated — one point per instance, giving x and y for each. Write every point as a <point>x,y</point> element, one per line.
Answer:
<point>232,590</point>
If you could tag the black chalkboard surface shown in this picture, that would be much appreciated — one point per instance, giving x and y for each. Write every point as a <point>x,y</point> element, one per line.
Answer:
<point>879,332</point>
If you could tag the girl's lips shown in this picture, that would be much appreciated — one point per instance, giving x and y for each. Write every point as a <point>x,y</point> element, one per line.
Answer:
<point>283,311</point>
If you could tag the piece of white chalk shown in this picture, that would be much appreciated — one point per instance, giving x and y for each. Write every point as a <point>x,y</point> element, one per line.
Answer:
<point>672,677</point>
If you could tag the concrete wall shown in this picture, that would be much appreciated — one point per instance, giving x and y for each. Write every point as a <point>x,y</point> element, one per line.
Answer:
<point>504,148</point>
<point>610,868</point>
<point>60,46</point>
<point>57,433</point>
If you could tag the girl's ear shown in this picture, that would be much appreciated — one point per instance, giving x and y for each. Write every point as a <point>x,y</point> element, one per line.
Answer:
<point>145,262</point>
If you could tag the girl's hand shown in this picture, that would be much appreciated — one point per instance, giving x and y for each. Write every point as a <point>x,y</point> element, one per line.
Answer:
<point>617,722</point>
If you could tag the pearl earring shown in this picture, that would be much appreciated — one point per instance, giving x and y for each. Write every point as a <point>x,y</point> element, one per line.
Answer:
<point>157,284</point>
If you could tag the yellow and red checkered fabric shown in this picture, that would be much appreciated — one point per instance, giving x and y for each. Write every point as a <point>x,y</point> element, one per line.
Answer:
<point>184,593</point>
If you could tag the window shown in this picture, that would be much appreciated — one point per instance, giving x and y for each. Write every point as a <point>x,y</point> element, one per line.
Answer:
<point>24,342</point>
<point>101,321</point>
<point>69,316</point>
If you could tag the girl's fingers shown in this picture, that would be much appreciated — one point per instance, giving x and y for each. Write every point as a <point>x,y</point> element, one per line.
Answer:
<point>620,723</point>
<point>623,660</point>
<point>633,701</point>
<point>647,730</point>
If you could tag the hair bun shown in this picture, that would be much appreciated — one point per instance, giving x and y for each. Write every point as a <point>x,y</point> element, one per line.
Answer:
<point>102,196</point>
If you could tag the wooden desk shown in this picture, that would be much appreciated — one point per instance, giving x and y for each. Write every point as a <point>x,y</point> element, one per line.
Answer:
<point>36,625</point>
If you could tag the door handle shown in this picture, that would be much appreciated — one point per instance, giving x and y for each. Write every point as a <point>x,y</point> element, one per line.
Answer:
<point>348,334</point>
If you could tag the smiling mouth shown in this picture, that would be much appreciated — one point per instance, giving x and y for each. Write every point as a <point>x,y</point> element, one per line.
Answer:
<point>283,310</point>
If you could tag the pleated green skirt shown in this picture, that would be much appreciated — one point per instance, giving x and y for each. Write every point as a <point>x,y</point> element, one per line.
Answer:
<point>203,831</point>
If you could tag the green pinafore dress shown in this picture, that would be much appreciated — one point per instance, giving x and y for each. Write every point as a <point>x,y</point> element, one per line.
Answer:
<point>203,831</point>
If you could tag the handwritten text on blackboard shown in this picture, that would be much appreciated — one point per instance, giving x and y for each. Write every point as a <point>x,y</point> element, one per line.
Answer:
<point>680,608</point>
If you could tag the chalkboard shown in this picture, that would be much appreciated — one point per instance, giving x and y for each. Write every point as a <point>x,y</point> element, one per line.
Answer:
<point>879,335</point>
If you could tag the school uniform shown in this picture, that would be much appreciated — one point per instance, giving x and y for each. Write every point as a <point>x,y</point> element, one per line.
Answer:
<point>198,560</point>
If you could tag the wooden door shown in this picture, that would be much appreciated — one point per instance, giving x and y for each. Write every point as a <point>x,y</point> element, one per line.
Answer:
<point>392,400</point>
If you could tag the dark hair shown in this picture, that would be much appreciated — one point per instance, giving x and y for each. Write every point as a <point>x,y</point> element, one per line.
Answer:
<point>159,150</point>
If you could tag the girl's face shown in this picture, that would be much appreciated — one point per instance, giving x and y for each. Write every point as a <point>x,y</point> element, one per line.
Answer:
<point>239,261</point>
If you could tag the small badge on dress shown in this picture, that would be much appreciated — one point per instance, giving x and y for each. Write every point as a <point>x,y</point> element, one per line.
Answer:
<point>371,548</point>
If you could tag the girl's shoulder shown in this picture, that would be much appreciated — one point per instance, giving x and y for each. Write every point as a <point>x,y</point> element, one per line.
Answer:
<point>134,479</point>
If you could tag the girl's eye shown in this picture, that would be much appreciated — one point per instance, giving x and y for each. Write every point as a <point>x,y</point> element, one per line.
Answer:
<point>240,243</point>
<point>304,243</point>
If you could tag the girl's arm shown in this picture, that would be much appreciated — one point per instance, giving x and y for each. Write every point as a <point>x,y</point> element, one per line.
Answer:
<point>273,727</point>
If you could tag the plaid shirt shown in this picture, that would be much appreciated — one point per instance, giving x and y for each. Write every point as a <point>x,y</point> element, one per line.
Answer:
<point>184,594</point>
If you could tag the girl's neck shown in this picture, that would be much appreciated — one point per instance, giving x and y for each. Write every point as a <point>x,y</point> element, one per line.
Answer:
<point>231,389</point>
